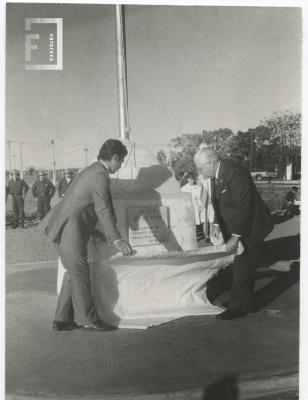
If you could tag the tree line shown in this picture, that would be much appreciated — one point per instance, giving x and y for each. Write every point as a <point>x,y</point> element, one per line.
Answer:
<point>271,146</point>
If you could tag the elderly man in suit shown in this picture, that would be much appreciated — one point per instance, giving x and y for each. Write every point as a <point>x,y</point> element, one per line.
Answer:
<point>243,219</point>
<point>70,225</point>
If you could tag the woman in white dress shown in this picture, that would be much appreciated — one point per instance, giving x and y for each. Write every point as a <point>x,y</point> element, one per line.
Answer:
<point>207,211</point>
<point>196,191</point>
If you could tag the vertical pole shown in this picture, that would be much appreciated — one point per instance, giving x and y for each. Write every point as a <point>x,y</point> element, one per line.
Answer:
<point>121,63</point>
<point>10,161</point>
<point>21,169</point>
<point>14,158</point>
<point>53,162</point>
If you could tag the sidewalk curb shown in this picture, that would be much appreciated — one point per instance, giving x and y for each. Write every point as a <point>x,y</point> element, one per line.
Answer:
<point>249,390</point>
<point>13,268</point>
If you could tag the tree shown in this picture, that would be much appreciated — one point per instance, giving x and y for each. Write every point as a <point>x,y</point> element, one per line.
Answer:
<point>186,146</point>
<point>262,151</point>
<point>219,140</point>
<point>240,147</point>
<point>266,157</point>
<point>285,132</point>
<point>182,158</point>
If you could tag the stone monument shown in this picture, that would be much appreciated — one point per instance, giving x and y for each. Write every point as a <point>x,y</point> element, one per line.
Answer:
<point>153,215</point>
<point>166,277</point>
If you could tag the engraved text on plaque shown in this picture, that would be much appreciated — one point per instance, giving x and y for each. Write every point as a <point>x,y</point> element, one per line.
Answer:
<point>147,225</point>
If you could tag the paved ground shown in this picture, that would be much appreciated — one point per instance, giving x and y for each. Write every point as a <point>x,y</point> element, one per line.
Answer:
<point>193,357</point>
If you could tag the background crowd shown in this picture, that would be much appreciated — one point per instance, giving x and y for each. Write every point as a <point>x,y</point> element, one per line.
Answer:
<point>42,190</point>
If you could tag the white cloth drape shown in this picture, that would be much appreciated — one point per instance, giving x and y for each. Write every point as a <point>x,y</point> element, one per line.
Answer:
<point>138,293</point>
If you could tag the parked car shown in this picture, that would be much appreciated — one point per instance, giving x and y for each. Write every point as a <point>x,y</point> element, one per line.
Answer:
<point>263,175</point>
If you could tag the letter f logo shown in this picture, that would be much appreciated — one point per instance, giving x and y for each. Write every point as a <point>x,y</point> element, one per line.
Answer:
<point>39,42</point>
<point>29,37</point>
<point>29,46</point>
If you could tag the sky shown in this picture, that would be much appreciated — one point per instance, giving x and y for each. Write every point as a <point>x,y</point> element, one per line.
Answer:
<point>189,69</point>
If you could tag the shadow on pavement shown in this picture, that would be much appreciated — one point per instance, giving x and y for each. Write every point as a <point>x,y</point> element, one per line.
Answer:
<point>280,218</point>
<point>282,282</point>
<point>281,249</point>
<point>225,388</point>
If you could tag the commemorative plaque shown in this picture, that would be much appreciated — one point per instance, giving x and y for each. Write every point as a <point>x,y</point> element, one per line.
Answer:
<point>147,225</point>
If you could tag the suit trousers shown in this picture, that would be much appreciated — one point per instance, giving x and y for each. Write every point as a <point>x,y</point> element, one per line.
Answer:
<point>244,271</point>
<point>75,300</point>
<point>43,206</point>
<point>18,208</point>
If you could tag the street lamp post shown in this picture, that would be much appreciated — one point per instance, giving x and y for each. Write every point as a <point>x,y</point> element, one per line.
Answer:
<point>14,158</point>
<point>21,170</point>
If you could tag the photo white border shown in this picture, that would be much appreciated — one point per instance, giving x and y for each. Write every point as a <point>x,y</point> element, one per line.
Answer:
<point>304,168</point>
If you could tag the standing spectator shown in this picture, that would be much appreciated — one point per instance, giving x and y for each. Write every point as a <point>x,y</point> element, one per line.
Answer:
<point>65,181</point>
<point>17,188</point>
<point>292,203</point>
<point>195,190</point>
<point>43,190</point>
<point>207,210</point>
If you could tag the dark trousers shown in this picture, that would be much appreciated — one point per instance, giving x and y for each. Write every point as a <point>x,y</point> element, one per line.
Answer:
<point>200,232</point>
<point>244,271</point>
<point>43,206</point>
<point>18,209</point>
<point>75,300</point>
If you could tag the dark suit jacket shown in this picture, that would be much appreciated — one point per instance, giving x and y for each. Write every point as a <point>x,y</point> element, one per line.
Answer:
<point>86,201</point>
<point>290,197</point>
<point>239,208</point>
<point>63,185</point>
<point>43,188</point>
<point>17,188</point>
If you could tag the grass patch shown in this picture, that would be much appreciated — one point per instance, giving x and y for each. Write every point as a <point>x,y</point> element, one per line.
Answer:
<point>274,194</point>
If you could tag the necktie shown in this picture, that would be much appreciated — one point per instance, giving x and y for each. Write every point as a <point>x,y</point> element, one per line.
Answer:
<point>213,189</point>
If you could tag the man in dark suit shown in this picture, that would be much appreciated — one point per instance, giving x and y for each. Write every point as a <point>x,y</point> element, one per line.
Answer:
<point>43,189</point>
<point>18,189</point>
<point>70,225</point>
<point>243,219</point>
<point>65,181</point>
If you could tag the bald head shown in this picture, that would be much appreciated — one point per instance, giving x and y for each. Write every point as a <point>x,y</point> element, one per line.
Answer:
<point>206,161</point>
<point>206,154</point>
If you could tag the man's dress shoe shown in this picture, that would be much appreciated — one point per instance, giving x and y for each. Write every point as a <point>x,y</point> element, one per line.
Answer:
<point>230,314</point>
<point>64,325</point>
<point>99,326</point>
